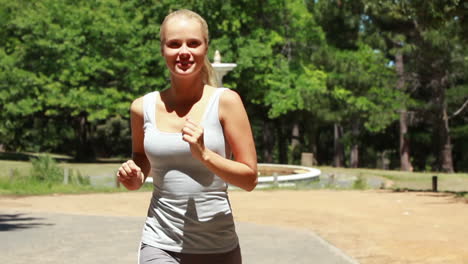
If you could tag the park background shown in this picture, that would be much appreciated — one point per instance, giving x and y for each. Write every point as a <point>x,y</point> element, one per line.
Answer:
<point>369,84</point>
<point>361,84</point>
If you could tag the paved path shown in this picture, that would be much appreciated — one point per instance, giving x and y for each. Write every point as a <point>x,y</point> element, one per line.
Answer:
<point>46,238</point>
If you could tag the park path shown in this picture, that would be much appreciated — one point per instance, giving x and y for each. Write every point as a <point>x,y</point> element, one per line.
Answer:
<point>35,232</point>
<point>276,226</point>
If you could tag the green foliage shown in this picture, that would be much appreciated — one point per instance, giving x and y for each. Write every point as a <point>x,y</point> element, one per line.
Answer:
<point>362,87</point>
<point>360,183</point>
<point>70,69</point>
<point>42,169</point>
<point>70,62</point>
<point>291,91</point>
<point>341,21</point>
<point>45,169</point>
<point>432,37</point>
<point>114,135</point>
<point>42,176</point>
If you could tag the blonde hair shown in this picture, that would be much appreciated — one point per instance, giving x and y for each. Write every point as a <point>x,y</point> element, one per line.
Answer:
<point>208,73</point>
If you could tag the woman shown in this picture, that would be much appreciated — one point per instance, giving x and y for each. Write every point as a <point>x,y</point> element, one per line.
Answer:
<point>184,137</point>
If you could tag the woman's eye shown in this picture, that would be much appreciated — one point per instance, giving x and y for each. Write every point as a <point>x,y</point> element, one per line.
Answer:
<point>194,43</point>
<point>173,44</point>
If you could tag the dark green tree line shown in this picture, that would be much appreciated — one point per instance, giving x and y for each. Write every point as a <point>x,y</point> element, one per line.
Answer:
<point>426,39</point>
<point>330,77</point>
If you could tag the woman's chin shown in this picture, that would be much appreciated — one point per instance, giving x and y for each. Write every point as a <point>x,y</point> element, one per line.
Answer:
<point>184,70</point>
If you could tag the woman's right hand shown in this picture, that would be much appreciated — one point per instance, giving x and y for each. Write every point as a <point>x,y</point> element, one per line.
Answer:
<point>130,175</point>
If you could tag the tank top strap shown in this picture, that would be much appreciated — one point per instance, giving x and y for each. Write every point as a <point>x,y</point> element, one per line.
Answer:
<point>212,110</point>
<point>149,105</point>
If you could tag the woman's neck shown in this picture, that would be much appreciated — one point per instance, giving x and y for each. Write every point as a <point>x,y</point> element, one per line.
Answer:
<point>186,90</point>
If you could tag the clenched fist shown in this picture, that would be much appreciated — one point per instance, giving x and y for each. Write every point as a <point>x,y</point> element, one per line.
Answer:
<point>130,175</point>
<point>192,133</point>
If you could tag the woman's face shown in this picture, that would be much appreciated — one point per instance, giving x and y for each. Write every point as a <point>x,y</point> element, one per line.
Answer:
<point>184,47</point>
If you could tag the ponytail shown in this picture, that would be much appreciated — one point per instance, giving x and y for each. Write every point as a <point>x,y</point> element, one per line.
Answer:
<point>209,75</point>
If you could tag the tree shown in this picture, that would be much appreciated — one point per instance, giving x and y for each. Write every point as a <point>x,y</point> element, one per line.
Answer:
<point>359,78</point>
<point>362,95</point>
<point>71,65</point>
<point>311,74</point>
<point>272,44</point>
<point>432,30</point>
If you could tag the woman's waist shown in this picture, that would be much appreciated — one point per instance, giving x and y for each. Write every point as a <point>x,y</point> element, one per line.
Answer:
<point>199,194</point>
<point>187,183</point>
<point>184,206</point>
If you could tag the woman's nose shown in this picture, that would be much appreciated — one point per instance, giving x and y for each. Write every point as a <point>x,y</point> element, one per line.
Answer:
<point>184,50</point>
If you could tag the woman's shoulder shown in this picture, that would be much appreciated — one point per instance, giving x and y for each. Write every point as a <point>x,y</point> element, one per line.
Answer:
<point>229,98</point>
<point>230,104</point>
<point>137,104</point>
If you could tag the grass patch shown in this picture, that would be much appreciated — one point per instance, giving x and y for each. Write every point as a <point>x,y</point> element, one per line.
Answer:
<point>43,175</point>
<point>450,182</point>
<point>14,173</point>
<point>90,169</point>
<point>25,185</point>
<point>360,183</point>
<point>462,195</point>
<point>38,188</point>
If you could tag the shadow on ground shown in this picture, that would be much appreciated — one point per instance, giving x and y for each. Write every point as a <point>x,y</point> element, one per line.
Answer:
<point>453,195</point>
<point>10,222</point>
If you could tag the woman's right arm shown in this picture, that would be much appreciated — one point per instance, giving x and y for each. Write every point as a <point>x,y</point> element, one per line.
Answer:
<point>132,174</point>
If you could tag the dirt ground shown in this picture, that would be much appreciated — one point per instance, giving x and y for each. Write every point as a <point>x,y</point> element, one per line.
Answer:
<point>370,226</point>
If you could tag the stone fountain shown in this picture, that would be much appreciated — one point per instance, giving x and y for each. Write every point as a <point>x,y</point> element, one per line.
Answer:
<point>221,68</point>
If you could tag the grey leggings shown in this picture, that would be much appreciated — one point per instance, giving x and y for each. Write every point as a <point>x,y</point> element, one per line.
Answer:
<point>152,255</point>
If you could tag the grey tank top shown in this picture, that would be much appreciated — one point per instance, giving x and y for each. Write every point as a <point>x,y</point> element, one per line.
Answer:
<point>189,210</point>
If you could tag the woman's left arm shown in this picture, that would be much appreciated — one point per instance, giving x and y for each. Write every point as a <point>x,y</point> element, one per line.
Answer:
<point>242,171</point>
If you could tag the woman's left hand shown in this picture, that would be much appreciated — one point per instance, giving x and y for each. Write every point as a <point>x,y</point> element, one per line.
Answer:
<point>192,133</point>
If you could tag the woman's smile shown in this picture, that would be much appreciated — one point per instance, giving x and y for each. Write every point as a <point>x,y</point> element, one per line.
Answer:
<point>184,64</point>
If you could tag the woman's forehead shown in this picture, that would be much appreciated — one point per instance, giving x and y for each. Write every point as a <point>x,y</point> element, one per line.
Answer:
<point>182,26</point>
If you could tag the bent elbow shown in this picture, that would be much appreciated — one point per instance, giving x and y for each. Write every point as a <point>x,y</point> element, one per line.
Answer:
<point>251,187</point>
<point>253,183</point>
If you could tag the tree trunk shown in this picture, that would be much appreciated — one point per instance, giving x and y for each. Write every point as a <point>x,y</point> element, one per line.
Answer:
<point>354,156</point>
<point>446,161</point>
<point>338,156</point>
<point>295,143</point>
<point>295,154</point>
<point>282,144</point>
<point>405,162</point>
<point>313,135</point>
<point>268,141</point>
<point>441,121</point>
<point>84,148</point>
<point>446,146</point>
